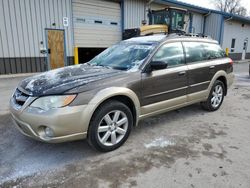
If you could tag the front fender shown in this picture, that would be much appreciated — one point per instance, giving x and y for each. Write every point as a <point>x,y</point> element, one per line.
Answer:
<point>104,95</point>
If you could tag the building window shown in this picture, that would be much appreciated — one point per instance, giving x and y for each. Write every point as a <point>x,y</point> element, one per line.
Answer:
<point>233,45</point>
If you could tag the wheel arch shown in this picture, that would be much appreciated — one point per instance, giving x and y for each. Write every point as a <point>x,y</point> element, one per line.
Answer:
<point>128,102</point>
<point>224,81</point>
<point>222,76</point>
<point>121,94</point>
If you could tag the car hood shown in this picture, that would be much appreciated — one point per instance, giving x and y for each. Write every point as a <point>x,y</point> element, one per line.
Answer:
<point>61,80</point>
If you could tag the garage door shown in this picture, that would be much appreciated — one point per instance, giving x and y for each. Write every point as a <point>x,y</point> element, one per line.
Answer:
<point>97,23</point>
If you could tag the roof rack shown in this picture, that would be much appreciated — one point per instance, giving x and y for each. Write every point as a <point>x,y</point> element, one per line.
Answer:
<point>200,35</point>
<point>130,33</point>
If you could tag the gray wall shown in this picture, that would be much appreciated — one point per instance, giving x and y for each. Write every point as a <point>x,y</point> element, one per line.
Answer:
<point>22,28</point>
<point>238,56</point>
<point>235,30</point>
<point>213,25</point>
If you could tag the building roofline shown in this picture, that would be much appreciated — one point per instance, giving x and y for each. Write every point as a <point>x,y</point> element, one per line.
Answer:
<point>235,17</point>
<point>203,10</point>
<point>184,5</point>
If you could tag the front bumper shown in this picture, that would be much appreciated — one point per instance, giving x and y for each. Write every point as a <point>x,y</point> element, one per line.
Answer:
<point>68,123</point>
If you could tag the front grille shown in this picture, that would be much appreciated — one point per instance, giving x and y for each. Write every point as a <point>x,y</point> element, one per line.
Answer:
<point>20,97</point>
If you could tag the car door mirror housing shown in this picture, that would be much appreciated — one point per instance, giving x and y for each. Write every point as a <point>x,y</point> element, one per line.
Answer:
<point>158,65</point>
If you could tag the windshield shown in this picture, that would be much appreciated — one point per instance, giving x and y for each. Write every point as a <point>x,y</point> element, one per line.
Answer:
<point>123,56</point>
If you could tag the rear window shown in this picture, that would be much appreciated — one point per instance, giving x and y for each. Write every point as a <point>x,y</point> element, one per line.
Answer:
<point>197,51</point>
<point>213,51</point>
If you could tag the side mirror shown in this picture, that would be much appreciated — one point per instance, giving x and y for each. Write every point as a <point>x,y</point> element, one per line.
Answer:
<point>158,65</point>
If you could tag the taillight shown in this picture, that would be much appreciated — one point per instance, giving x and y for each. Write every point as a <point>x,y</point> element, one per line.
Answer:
<point>231,61</point>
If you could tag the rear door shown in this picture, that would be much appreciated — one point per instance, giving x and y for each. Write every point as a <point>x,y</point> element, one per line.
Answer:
<point>200,71</point>
<point>169,83</point>
<point>203,60</point>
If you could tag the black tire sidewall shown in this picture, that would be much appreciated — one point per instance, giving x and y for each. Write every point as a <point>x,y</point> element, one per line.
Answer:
<point>98,116</point>
<point>209,104</point>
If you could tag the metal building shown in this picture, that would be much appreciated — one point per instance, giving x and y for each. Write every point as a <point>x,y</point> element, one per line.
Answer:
<point>39,35</point>
<point>26,26</point>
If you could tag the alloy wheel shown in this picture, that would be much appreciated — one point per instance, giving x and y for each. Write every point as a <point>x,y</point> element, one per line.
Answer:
<point>112,128</point>
<point>217,96</point>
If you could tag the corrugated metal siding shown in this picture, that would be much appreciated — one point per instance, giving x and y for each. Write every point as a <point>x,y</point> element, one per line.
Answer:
<point>197,23</point>
<point>213,26</point>
<point>93,23</point>
<point>22,24</point>
<point>134,13</point>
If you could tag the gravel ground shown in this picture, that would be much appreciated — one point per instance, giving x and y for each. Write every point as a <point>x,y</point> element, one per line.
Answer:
<point>184,148</point>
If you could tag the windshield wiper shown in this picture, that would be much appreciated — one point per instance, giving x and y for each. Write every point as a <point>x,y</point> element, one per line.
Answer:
<point>120,68</point>
<point>108,67</point>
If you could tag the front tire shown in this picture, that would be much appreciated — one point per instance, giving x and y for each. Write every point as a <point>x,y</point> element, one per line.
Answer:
<point>110,126</point>
<point>216,97</point>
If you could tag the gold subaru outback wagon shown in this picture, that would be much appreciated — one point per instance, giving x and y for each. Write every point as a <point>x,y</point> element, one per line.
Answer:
<point>134,79</point>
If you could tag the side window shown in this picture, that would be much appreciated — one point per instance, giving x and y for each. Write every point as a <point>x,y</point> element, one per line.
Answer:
<point>194,52</point>
<point>213,51</point>
<point>171,53</point>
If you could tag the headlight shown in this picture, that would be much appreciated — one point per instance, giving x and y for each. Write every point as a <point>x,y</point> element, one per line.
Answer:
<point>50,102</point>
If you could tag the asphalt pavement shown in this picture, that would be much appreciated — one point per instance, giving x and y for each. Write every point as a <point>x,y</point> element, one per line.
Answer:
<point>184,148</point>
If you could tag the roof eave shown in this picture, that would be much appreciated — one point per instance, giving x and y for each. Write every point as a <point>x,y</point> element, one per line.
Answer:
<point>201,10</point>
<point>236,18</point>
<point>183,5</point>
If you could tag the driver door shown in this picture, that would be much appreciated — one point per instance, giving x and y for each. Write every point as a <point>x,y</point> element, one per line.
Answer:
<point>165,88</point>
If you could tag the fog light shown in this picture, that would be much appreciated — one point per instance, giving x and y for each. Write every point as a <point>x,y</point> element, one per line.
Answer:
<point>49,132</point>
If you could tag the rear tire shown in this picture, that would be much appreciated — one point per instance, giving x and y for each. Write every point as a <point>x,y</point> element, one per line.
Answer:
<point>215,98</point>
<point>110,126</point>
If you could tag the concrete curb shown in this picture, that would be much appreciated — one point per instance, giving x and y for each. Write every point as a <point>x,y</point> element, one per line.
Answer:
<point>243,61</point>
<point>18,75</point>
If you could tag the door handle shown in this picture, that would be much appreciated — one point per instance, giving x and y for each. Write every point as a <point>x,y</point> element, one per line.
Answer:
<point>182,73</point>
<point>211,67</point>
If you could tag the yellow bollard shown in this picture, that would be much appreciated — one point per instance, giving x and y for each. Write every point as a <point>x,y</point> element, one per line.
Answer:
<point>76,58</point>
<point>227,51</point>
